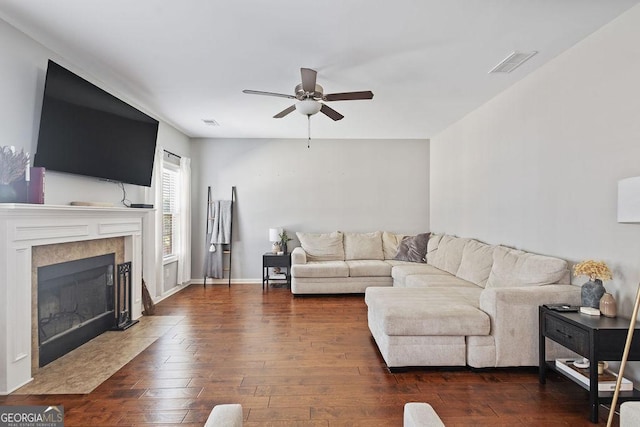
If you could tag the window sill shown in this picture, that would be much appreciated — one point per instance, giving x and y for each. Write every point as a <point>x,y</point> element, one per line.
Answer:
<point>169,260</point>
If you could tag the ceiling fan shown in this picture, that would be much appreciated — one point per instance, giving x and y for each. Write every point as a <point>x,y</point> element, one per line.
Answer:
<point>309,94</point>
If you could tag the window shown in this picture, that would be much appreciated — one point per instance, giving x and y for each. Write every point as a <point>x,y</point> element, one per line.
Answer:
<point>170,212</point>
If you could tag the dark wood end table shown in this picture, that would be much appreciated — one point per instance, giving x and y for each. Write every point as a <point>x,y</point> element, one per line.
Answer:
<point>270,259</point>
<point>597,338</point>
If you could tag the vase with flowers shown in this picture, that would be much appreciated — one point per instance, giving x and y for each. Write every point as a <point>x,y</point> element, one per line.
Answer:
<point>593,290</point>
<point>13,165</point>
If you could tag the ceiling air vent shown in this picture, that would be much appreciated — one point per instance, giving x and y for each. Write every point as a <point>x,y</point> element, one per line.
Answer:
<point>511,62</point>
<point>210,122</point>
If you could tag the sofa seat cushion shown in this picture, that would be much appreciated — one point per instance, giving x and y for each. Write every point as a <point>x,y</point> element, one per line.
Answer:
<point>228,415</point>
<point>336,285</point>
<point>368,268</point>
<point>321,269</point>
<point>512,267</point>
<point>363,246</point>
<point>400,272</point>
<point>630,414</point>
<point>436,281</point>
<point>393,262</point>
<point>418,312</point>
<point>322,246</point>
<point>469,296</point>
<point>419,414</point>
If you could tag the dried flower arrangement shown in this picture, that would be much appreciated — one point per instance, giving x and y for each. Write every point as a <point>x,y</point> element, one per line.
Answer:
<point>593,269</point>
<point>12,164</point>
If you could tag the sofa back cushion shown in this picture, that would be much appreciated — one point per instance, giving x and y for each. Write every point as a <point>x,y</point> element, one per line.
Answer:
<point>390,243</point>
<point>477,259</point>
<point>363,246</point>
<point>413,248</point>
<point>512,267</point>
<point>432,246</point>
<point>322,246</point>
<point>449,253</point>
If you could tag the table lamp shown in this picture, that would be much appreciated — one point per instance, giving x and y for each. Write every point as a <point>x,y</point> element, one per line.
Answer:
<point>274,237</point>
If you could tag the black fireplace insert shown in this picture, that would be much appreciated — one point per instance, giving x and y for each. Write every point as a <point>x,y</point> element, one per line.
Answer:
<point>75,304</point>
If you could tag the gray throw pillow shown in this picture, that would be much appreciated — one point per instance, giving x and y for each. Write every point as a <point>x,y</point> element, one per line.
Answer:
<point>413,248</point>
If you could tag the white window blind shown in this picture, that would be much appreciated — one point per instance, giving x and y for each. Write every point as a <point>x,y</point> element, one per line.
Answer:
<point>169,211</point>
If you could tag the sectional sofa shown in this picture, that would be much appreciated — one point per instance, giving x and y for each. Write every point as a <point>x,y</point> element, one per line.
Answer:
<point>460,302</point>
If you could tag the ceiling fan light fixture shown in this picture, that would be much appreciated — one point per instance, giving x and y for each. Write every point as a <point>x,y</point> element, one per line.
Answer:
<point>308,107</point>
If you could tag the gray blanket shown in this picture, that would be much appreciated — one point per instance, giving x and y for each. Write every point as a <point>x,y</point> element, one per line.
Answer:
<point>220,234</point>
<point>221,224</point>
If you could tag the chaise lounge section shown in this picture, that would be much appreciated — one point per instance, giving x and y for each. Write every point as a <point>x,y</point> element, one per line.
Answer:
<point>472,304</point>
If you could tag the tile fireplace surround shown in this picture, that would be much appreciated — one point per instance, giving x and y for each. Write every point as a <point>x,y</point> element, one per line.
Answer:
<point>23,227</point>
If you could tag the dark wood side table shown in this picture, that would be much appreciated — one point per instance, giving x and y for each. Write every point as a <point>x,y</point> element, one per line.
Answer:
<point>597,338</point>
<point>270,259</point>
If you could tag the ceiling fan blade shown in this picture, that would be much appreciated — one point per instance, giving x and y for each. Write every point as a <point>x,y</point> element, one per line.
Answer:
<point>349,96</point>
<point>284,112</point>
<point>259,92</point>
<point>330,112</point>
<point>308,79</point>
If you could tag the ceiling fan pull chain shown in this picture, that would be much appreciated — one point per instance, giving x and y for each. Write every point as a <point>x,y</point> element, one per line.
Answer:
<point>308,130</point>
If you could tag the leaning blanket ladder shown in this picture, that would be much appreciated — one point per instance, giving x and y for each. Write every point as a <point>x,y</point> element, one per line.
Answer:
<point>625,357</point>
<point>209,224</point>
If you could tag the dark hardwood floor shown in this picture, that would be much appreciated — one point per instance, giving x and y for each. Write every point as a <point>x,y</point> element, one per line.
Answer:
<point>300,362</point>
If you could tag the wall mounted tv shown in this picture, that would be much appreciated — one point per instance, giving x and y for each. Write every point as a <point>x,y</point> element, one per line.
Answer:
<point>87,131</point>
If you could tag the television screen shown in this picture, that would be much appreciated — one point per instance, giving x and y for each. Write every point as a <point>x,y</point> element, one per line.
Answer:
<point>87,131</point>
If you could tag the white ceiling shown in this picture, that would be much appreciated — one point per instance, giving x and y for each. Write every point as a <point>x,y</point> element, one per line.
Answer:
<point>426,61</point>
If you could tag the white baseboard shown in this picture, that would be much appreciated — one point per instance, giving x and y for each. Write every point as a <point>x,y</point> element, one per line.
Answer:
<point>170,292</point>
<point>226,281</point>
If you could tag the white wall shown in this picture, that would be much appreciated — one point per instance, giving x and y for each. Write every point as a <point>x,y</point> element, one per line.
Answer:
<point>537,167</point>
<point>23,66</point>
<point>21,84</point>
<point>347,185</point>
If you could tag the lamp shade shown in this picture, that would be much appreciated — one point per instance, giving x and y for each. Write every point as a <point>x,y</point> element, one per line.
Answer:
<point>308,107</point>
<point>274,234</point>
<point>629,199</point>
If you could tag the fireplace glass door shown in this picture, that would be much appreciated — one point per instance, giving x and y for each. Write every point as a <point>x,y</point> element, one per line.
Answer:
<point>75,304</point>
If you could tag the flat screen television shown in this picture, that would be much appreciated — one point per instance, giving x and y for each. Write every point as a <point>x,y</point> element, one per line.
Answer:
<point>86,131</point>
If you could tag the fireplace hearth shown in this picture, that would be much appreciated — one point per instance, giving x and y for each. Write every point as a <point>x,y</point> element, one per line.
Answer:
<point>75,304</point>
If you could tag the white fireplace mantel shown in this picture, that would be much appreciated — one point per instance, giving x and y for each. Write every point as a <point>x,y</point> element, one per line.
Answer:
<point>23,226</point>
